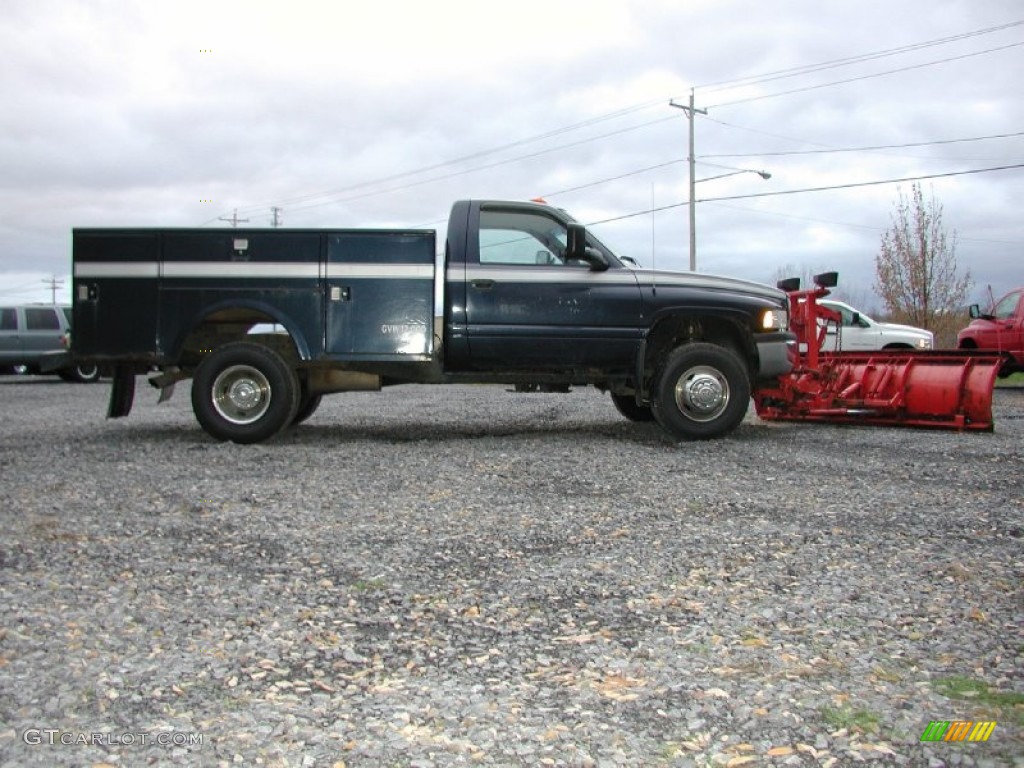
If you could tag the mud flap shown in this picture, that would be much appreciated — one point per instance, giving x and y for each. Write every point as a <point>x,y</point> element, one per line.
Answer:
<point>122,392</point>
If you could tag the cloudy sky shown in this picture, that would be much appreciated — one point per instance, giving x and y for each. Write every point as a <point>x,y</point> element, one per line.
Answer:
<point>345,114</point>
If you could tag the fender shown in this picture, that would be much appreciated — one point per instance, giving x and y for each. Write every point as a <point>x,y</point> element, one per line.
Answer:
<point>272,313</point>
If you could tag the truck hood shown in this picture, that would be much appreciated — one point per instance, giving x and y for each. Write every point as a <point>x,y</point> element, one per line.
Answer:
<point>701,280</point>
<point>980,322</point>
<point>908,329</point>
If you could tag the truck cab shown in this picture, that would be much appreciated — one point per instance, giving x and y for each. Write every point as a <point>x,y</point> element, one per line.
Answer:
<point>1001,329</point>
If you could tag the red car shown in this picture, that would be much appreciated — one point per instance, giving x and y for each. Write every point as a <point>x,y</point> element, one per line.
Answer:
<point>1001,329</point>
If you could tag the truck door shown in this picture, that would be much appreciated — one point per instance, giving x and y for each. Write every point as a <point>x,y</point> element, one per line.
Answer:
<point>1008,324</point>
<point>855,336</point>
<point>528,308</point>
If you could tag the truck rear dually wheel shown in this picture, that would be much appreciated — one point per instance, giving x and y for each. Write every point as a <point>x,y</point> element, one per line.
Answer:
<point>245,393</point>
<point>626,405</point>
<point>307,407</point>
<point>701,392</point>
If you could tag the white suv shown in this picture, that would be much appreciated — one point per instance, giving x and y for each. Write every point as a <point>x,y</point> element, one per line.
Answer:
<point>860,332</point>
<point>36,338</point>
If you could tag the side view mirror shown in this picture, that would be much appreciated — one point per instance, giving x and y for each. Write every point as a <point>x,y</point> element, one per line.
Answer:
<point>575,242</point>
<point>855,320</point>
<point>974,311</point>
<point>576,248</point>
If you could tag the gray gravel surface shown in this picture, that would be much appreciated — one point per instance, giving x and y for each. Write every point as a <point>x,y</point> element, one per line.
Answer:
<point>439,576</point>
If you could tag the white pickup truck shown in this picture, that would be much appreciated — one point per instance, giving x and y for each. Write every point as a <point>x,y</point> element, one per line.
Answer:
<point>860,332</point>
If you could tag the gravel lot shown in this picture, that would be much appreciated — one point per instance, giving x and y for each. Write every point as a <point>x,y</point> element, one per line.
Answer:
<point>467,576</point>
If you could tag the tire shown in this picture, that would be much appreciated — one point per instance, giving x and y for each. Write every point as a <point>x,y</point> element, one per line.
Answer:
<point>245,393</point>
<point>626,405</point>
<point>702,392</point>
<point>307,407</point>
<point>86,373</point>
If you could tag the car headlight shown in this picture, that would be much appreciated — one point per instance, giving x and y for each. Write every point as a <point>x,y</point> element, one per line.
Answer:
<point>924,343</point>
<point>774,320</point>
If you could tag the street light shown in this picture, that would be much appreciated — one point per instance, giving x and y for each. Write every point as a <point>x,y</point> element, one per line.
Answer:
<point>763,174</point>
<point>693,206</point>
<point>691,111</point>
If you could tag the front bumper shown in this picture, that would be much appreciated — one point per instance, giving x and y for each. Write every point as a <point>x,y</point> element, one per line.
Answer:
<point>776,353</point>
<point>51,362</point>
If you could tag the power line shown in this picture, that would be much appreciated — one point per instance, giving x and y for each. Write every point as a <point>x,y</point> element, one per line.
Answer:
<point>764,133</point>
<point>864,77</point>
<point>333,196</point>
<point>295,203</point>
<point>764,212</point>
<point>852,185</point>
<point>474,169</point>
<point>614,178</point>
<point>26,288</point>
<point>870,148</point>
<point>858,59</point>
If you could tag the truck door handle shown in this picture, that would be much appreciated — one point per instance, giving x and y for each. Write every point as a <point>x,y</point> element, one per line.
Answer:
<point>483,285</point>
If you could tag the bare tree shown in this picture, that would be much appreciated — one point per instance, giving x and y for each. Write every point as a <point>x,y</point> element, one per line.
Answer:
<point>916,271</point>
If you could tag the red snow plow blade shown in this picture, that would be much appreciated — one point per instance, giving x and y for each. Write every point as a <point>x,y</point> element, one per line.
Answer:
<point>938,389</point>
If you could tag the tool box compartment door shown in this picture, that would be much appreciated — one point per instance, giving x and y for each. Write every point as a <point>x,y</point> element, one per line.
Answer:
<point>380,295</point>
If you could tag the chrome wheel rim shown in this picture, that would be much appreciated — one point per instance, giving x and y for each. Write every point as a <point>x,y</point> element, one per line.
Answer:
<point>241,394</point>
<point>702,393</point>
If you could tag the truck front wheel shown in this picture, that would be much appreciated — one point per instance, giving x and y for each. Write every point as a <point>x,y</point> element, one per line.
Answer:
<point>702,391</point>
<point>245,393</point>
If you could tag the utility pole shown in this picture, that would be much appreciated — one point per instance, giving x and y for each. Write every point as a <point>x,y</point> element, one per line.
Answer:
<point>690,110</point>
<point>234,221</point>
<point>54,284</point>
<point>275,213</point>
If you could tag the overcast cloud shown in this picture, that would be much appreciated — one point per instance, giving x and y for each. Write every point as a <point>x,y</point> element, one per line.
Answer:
<point>342,114</point>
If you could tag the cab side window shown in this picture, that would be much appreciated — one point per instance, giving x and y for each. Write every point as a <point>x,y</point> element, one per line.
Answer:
<point>521,238</point>
<point>8,320</point>
<point>1006,308</point>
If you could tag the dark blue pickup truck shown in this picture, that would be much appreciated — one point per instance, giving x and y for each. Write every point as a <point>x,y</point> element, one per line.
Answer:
<point>267,321</point>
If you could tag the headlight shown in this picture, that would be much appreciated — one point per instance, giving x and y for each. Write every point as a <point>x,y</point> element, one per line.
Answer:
<point>924,343</point>
<point>774,320</point>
